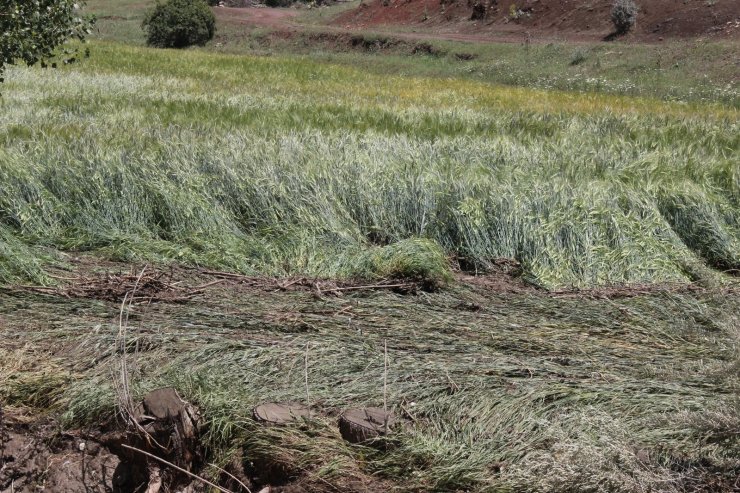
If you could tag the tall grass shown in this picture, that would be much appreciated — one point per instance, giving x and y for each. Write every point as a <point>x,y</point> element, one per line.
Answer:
<point>287,166</point>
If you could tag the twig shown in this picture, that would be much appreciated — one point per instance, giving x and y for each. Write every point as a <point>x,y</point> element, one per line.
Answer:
<point>2,435</point>
<point>121,345</point>
<point>209,284</point>
<point>62,278</point>
<point>194,476</point>
<point>231,476</point>
<point>372,286</point>
<point>124,391</point>
<point>308,398</point>
<point>408,413</point>
<point>385,376</point>
<point>288,284</point>
<point>385,386</point>
<point>227,274</point>
<point>42,289</point>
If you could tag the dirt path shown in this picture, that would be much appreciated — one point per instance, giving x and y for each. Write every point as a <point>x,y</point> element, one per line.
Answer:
<point>283,20</point>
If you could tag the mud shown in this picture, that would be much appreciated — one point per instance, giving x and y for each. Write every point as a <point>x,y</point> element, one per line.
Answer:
<point>35,456</point>
<point>276,413</point>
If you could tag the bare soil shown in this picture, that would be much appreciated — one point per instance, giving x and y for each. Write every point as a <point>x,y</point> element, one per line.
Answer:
<point>34,455</point>
<point>577,20</point>
<point>485,21</point>
<point>276,18</point>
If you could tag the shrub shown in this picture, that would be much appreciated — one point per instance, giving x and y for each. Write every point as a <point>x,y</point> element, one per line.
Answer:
<point>579,56</point>
<point>179,23</point>
<point>279,3</point>
<point>624,15</point>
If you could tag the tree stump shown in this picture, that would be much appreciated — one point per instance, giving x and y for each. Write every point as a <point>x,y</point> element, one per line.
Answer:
<point>365,424</point>
<point>280,413</point>
<point>167,427</point>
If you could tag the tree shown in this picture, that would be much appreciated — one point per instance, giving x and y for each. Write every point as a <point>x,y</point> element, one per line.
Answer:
<point>33,30</point>
<point>179,23</point>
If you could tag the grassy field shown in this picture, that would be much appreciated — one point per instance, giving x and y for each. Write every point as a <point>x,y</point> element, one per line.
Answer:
<point>286,166</point>
<point>680,70</point>
<point>296,166</point>
<point>696,70</point>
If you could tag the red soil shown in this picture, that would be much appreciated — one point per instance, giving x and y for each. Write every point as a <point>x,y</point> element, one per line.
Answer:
<point>571,19</point>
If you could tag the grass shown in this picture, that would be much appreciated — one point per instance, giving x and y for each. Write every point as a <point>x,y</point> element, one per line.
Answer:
<point>676,71</point>
<point>694,70</point>
<point>319,165</point>
<point>528,393</point>
<point>162,155</point>
<point>120,20</point>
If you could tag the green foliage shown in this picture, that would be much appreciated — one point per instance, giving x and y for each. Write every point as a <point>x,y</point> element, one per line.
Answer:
<point>18,260</point>
<point>32,30</point>
<point>700,73</point>
<point>624,15</point>
<point>36,390</point>
<point>179,23</point>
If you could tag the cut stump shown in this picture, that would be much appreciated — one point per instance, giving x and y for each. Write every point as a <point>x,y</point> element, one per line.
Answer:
<point>365,424</point>
<point>163,404</point>
<point>280,413</point>
<point>167,427</point>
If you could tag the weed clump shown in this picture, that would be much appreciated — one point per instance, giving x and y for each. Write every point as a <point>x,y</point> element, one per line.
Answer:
<point>415,259</point>
<point>179,24</point>
<point>579,56</point>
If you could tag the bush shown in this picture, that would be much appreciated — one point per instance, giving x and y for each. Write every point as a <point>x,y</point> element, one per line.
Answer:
<point>279,3</point>
<point>624,15</point>
<point>179,23</point>
<point>579,56</point>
